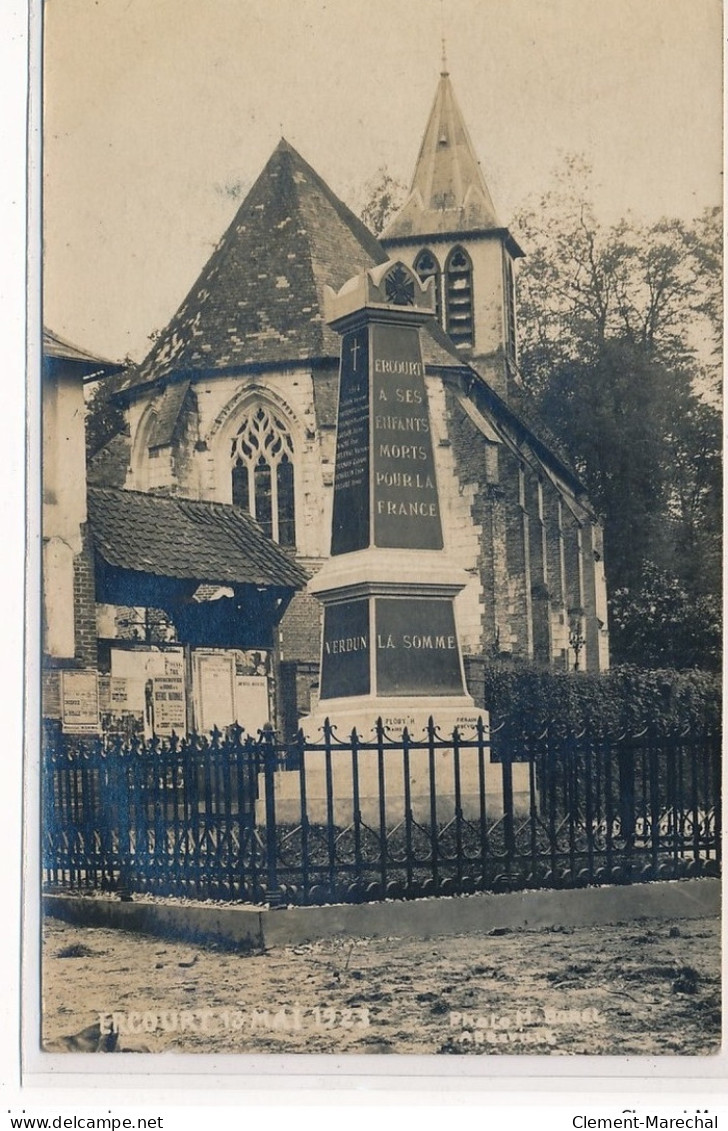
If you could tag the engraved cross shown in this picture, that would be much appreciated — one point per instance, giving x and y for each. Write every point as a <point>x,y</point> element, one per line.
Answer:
<point>355,347</point>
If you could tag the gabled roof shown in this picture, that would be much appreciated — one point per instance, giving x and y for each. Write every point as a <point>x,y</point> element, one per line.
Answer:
<point>58,350</point>
<point>448,192</point>
<point>259,298</point>
<point>188,539</point>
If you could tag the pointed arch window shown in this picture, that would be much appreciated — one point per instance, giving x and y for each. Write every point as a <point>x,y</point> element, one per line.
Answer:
<point>427,267</point>
<point>263,474</point>
<point>459,297</point>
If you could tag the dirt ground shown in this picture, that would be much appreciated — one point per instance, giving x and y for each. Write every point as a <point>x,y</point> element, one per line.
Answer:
<point>646,988</point>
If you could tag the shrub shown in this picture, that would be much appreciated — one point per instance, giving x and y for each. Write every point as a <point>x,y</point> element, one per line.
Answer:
<point>625,699</point>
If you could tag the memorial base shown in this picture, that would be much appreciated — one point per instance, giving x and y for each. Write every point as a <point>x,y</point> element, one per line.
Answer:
<point>423,801</point>
<point>361,714</point>
<point>431,786</point>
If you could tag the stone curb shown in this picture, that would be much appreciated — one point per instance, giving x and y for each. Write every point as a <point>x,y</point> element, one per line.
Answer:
<point>257,928</point>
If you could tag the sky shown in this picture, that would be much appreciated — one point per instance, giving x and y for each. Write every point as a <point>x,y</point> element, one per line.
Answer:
<point>156,112</point>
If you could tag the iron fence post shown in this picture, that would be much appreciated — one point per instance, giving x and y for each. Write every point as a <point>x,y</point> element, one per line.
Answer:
<point>122,789</point>
<point>383,861</point>
<point>713,739</point>
<point>300,754</point>
<point>482,807</point>
<point>407,808</point>
<point>509,835</point>
<point>434,831</point>
<point>356,805</point>
<point>273,893</point>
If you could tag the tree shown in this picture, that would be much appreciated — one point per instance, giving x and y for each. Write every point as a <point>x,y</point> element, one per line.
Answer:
<point>618,333</point>
<point>661,624</point>
<point>104,416</point>
<point>584,284</point>
<point>707,252</point>
<point>383,197</point>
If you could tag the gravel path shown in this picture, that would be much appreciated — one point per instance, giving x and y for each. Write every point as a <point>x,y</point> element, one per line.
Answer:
<point>650,988</point>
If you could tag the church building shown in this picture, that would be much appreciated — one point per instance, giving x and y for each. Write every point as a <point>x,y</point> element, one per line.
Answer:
<point>236,403</point>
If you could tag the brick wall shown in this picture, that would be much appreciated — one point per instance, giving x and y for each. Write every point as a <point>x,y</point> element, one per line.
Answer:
<point>84,603</point>
<point>300,628</point>
<point>51,694</point>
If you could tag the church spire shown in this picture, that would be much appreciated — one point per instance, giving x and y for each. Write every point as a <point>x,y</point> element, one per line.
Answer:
<point>448,193</point>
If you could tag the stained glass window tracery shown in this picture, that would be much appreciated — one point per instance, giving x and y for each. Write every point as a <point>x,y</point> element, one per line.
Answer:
<point>263,473</point>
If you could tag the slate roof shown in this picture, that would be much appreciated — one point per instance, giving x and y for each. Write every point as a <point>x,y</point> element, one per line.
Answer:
<point>259,298</point>
<point>109,466</point>
<point>208,542</point>
<point>519,411</point>
<point>448,192</point>
<point>168,413</point>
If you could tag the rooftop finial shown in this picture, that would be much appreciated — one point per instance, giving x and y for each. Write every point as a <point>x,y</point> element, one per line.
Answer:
<point>444,72</point>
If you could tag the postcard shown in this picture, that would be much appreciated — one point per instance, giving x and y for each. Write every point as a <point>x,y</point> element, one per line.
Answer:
<point>380,442</point>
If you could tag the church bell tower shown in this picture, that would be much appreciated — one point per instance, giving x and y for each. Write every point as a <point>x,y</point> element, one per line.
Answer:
<point>448,231</point>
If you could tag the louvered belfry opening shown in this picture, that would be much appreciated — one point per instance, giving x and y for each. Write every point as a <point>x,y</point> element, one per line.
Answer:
<point>459,297</point>
<point>427,267</point>
<point>263,474</point>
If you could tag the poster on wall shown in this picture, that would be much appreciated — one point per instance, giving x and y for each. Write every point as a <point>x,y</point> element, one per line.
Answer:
<point>138,701</point>
<point>214,690</point>
<point>252,690</point>
<point>79,702</point>
<point>251,702</point>
<point>169,704</point>
<point>231,686</point>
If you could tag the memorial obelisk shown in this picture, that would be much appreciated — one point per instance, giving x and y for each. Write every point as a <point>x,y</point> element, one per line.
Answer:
<point>390,645</point>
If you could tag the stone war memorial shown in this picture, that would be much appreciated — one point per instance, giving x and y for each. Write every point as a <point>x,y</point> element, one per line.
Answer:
<point>391,662</point>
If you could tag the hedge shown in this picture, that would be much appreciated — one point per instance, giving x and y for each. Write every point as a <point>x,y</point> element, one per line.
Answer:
<point>624,699</point>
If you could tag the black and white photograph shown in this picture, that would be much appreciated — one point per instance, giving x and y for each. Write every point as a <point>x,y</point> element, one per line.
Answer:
<point>380,432</point>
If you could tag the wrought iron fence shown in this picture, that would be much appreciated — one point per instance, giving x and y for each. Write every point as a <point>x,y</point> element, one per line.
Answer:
<point>240,818</point>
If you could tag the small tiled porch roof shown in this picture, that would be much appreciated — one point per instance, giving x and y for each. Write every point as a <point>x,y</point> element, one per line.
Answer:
<point>208,542</point>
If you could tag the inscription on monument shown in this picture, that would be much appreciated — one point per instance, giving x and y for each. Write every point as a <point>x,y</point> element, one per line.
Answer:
<point>350,527</point>
<point>405,503</point>
<point>345,660</point>
<point>416,647</point>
